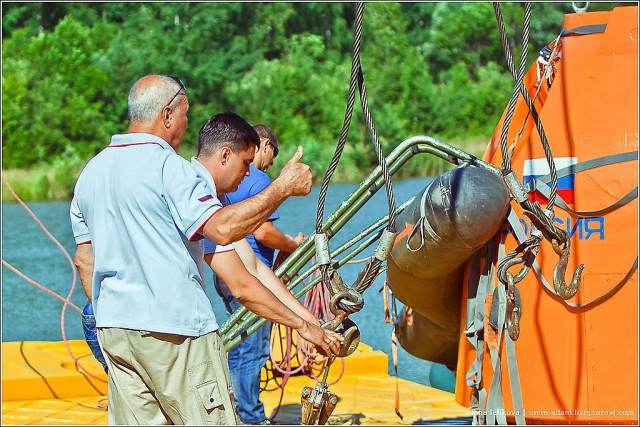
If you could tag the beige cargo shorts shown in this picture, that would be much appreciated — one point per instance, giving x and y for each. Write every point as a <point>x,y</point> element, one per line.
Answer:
<point>157,378</point>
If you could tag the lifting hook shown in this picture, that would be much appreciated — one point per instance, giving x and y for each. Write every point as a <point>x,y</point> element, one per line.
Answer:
<point>563,290</point>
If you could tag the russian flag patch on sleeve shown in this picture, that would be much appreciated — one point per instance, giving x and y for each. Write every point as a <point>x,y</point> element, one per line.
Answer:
<point>536,168</point>
<point>205,197</point>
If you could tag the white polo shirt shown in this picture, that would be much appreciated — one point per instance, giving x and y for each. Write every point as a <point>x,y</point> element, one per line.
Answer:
<point>141,205</point>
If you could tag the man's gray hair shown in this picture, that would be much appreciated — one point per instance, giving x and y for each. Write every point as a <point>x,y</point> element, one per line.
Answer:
<point>146,101</point>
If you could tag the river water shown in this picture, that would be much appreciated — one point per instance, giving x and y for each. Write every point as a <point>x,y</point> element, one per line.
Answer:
<point>31,314</point>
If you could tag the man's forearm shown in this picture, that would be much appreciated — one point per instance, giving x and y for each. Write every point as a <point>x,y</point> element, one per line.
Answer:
<point>238,220</point>
<point>265,304</point>
<point>275,285</point>
<point>84,260</point>
<point>268,278</point>
<point>269,235</point>
<point>261,301</point>
<point>247,289</point>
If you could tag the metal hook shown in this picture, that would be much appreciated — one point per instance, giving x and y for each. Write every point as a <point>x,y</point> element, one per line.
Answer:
<point>513,309</point>
<point>527,259</point>
<point>342,324</point>
<point>578,9</point>
<point>563,290</point>
<point>529,250</point>
<point>349,331</point>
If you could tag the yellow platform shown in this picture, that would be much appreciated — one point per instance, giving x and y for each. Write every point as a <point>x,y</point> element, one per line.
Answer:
<point>41,384</point>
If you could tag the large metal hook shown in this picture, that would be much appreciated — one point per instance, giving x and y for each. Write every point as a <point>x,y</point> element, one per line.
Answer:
<point>513,308</point>
<point>563,290</point>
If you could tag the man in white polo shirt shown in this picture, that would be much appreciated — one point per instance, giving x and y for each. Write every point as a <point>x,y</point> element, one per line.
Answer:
<point>137,209</point>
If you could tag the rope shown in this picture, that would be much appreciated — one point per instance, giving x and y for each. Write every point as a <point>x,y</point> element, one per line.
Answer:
<point>394,352</point>
<point>372,268</point>
<point>317,302</point>
<point>38,285</point>
<point>66,301</point>
<point>525,94</point>
<point>381,159</point>
<point>355,67</point>
<point>64,251</point>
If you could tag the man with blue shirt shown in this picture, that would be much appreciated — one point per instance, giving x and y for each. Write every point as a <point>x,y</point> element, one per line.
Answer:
<point>267,238</point>
<point>138,212</point>
<point>247,359</point>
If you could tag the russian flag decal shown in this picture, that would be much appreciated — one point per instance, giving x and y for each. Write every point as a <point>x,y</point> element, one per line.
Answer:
<point>536,168</point>
<point>205,197</point>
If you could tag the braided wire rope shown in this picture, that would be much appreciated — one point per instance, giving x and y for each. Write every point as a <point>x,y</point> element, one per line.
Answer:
<point>519,77</point>
<point>506,156</point>
<point>382,161</point>
<point>527,98</point>
<point>355,65</point>
<point>372,269</point>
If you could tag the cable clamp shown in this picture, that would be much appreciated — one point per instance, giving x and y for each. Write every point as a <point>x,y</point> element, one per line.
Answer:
<point>322,249</point>
<point>515,187</point>
<point>384,245</point>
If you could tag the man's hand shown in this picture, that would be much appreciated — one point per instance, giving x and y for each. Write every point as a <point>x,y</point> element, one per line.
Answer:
<point>291,242</point>
<point>295,176</point>
<point>329,341</point>
<point>299,239</point>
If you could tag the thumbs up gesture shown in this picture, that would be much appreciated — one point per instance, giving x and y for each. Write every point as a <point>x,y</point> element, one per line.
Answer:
<point>296,176</point>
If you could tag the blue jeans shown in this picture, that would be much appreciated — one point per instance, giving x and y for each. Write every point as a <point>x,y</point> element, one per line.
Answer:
<point>90,334</point>
<point>245,362</point>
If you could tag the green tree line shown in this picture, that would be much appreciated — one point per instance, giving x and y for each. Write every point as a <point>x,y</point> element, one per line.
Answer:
<point>433,68</point>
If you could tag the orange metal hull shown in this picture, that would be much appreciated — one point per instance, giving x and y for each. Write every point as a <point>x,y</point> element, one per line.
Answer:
<point>580,365</point>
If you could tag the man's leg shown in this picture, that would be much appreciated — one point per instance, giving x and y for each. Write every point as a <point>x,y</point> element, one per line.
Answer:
<point>131,401</point>
<point>157,378</point>
<point>189,376</point>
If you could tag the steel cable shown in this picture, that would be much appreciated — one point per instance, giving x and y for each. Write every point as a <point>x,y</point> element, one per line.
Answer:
<point>357,76</point>
<point>355,66</point>
<point>527,98</point>
<point>382,161</point>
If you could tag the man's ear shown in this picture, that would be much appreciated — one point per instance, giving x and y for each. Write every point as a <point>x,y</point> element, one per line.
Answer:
<point>166,117</point>
<point>225,154</point>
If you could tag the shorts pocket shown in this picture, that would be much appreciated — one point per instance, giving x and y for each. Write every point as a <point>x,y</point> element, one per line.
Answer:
<point>209,394</point>
<point>203,380</point>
